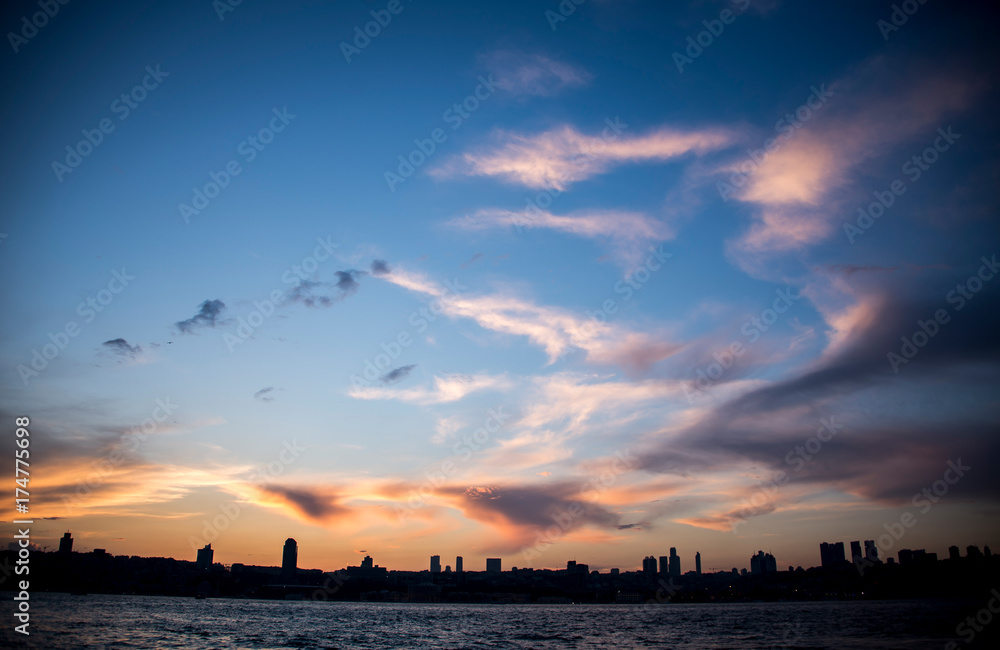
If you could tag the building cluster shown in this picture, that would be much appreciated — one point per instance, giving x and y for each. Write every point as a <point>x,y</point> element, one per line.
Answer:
<point>832,555</point>
<point>669,565</point>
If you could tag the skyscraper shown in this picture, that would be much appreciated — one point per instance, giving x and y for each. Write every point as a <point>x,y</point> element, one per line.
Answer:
<point>675,563</point>
<point>66,543</point>
<point>649,565</point>
<point>697,563</point>
<point>831,554</point>
<point>435,564</point>
<point>458,564</point>
<point>492,565</point>
<point>664,565</point>
<point>871,551</point>
<point>205,556</point>
<point>763,564</point>
<point>856,552</point>
<point>289,559</point>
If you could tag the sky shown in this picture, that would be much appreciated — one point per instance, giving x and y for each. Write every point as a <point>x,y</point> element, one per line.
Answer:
<point>527,280</point>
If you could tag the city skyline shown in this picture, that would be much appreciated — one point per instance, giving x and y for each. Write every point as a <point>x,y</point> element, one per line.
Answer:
<point>827,559</point>
<point>512,280</point>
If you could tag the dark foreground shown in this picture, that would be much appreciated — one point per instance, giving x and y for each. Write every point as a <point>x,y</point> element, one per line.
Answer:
<point>101,621</point>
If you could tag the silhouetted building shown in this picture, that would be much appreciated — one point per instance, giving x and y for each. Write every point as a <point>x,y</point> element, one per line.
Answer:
<point>435,564</point>
<point>492,565</point>
<point>831,554</point>
<point>367,571</point>
<point>973,552</point>
<point>205,556</point>
<point>66,543</point>
<point>289,560</point>
<point>664,565</point>
<point>649,565</point>
<point>954,553</point>
<point>856,552</point>
<point>908,556</point>
<point>458,564</point>
<point>615,572</point>
<point>763,564</point>
<point>697,563</point>
<point>675,563</point>
<point>871,551</point>
<point>987,553</point>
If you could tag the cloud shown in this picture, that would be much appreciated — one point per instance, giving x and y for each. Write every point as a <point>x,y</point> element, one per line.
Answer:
<point>312,503</point>
<point>555,330</point>
<point>121,347</point>
<point>558,158</point>
<point>397,374</point>
<point>534,74</point>
<point>450,388</point>
<point>629,232</point>
<point>324,294</point>
<point>207,316</point>
<point>346,281</point>
<point>899,428</point>
<point>380,267</point>
<point>805,186</point>
<point>472,260</point>
<point>264,394</point>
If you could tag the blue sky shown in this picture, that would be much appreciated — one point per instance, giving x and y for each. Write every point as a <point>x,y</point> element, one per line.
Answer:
<point>571,335</point>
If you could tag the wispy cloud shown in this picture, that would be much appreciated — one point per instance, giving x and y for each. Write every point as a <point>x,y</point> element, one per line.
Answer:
<point>630,233</point>
<point>802,188</point>
<point>558,158</point>
<point>554,329</point>
<point>264,394</point>
<point>449,388</point>
<point>397,374</point>
<point>533,74</point>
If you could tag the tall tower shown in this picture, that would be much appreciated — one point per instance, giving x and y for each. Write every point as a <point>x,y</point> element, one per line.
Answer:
<point>66,543</point>
<point>289,559</point>
<point>435,564</point>
<point>697,563</point>
<point>458,564</point>
<point>675,563</point>
<point>856,552</point>
<point>205,556</point>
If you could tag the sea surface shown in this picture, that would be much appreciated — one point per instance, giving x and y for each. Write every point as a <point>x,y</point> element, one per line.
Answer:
<point>63,621</point>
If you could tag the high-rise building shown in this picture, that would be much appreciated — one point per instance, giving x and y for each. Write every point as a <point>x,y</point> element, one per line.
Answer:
<point>664,565</point>
<point>205,556</point>
<point>871,551</point>
<point>492,565</point>
<point>763,564</point>
<point>368,562</point>
<point>66,543</point>
<point>856,552</point>
<point>954,553</point>
<point>675,563</point>
<point>435,564</point>
<point>458,564</point>
<point>697,563</point>
<point>289,559</point>
<point>973,551</point>
<point>649,565</point>
<point>831,554</point>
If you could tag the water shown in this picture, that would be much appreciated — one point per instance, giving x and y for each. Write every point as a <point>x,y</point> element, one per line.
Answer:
<point>62,621</point>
